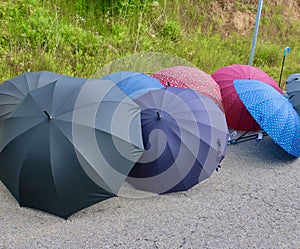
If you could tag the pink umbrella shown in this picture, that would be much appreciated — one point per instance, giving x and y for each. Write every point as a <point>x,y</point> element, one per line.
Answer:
<point>191,77</point>
<point>237,115</point>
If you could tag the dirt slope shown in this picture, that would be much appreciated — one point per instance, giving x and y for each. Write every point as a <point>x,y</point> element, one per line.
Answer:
<point>240,15</point>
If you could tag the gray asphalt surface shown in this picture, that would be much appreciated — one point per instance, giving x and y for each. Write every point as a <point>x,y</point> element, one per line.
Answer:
<point>252,202</point>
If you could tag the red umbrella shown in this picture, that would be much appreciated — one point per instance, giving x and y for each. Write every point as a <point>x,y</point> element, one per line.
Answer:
<point>237,115</point>
<point>191,77</point>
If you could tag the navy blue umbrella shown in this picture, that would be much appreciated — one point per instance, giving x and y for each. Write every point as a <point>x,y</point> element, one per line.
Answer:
<point>133,84</point>
<point>185,136</point>
<point>273,112</point>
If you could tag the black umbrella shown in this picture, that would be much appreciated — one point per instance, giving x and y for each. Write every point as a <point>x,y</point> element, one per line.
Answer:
<point>63,148</point>
<point>13,91</point>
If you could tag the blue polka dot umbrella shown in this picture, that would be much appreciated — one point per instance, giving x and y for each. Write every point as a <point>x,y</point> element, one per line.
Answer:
<point>273,112</point>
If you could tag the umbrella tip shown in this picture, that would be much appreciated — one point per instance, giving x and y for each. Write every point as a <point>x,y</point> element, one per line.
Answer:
<point>293,95</point>
<point>158,115</point>
<point>48,115</point>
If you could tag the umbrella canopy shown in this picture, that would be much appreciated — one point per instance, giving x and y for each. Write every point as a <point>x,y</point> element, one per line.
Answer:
<point>236,113</point>
<point>133,84</point>
<point>273,112</point>
<point>13,91</point>
<point>190,77</point>
<point>293,90</point>
<point>69,144</point>
<point>185,135</point>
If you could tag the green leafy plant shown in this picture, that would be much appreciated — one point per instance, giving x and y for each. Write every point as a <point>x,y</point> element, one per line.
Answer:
<point>78,37</point>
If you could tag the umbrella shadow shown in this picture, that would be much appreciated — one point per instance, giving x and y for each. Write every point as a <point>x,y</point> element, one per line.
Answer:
<point>264,151</point>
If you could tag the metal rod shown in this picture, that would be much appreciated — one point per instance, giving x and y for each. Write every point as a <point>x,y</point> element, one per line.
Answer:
<point>240,137</point>
<point>281,70</point>
<point>260,3</point>
<point>246,138</point>
<point>287,49</point>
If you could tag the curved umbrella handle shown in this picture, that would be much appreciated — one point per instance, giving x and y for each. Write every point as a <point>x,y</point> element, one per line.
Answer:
<point>286,49</point>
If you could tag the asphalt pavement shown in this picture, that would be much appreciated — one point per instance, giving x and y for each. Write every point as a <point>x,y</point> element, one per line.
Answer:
<point>252,202</point>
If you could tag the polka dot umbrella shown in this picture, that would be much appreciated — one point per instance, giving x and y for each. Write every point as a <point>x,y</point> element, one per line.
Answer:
<point>273,112</point>
<point>191,77</point>
<point>237,115</point>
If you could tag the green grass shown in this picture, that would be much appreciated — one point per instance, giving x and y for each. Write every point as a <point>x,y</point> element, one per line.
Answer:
<point>79,37</point>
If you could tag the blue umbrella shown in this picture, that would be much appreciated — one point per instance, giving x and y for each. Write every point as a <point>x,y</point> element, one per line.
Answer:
<point>185,136</point>
<point>273,112</point>
<point>133,84</point>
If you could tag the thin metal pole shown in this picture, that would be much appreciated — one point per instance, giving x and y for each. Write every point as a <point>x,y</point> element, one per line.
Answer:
<point>260,3</point>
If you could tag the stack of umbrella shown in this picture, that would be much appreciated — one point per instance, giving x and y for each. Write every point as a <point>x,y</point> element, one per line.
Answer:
<point>67,143</point>
<point>184,131</point>
<point>237,115</point>
<point>252,101</point>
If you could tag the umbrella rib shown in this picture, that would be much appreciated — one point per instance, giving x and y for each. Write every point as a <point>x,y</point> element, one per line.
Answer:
<point>52,179</point>
<point>77,149</point>
<point>86,105</point>
<point>280,141</point>
<point>19,173</point>
<point>243,108</point>
<point>27,81</point>
<point>26,130</point>
<point>10,95</point>
<point>184,144</point>
<point>174,157</point>
<point>202,124</point>
<point>206,142</point>
<point>289,145</point>
<point>64,103</point>
<point>6,113</point>
<point>262,102</point>
<point>107,187</point>
<point>38,80</point>
<point>106,132</point>
<point>204,169</point>
<point>28,149</point>
<point>16,86</point>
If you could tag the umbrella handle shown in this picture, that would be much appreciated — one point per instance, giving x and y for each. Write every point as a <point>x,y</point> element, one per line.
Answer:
<point>158,115</point>
<point>48,115</point>
<point>286,49</point>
